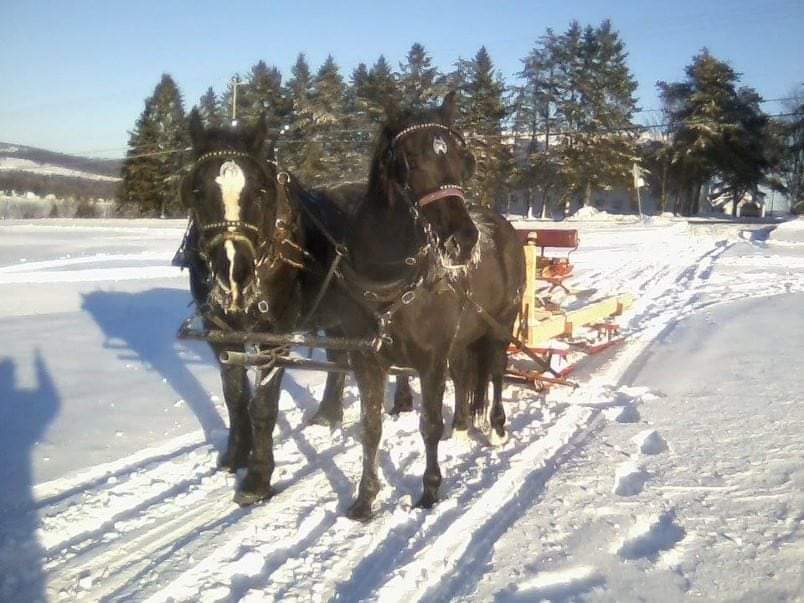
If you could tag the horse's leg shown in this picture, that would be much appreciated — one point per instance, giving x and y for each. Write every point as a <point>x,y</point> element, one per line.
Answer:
<point>330,411</point>
<point>432,427</point>
<point>262,410</point>
<point>461,367</point>
<point>480,405</point>
<point>236,395</point>
<point>499,435</point>
<point>370,377</point>
<point>403,396</point>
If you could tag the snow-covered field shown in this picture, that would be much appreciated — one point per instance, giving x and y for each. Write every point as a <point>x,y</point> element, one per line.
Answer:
<point>674,471</point>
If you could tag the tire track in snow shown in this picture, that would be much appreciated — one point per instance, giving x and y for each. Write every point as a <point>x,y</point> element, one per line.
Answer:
<point>186,517</point>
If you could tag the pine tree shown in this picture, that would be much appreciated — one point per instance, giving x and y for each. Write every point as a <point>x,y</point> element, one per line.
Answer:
<point>362,127</point>
<point>210,110</point>
<point>484,112</point>
<point>151,170</point>
<point>293,150</point>
<point>319,144</point>
<point>261,94</point>
<point>718,130</point>
<point>536,117</point>
<point>597,105</point>
<point>419,82</point>
<point>380,90</point>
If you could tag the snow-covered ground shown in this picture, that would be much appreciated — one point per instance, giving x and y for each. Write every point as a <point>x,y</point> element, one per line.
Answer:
<point>674,471</point>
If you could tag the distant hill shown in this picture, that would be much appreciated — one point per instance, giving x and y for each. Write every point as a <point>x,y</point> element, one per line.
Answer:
<point>30,169</point>
<point>91,165</point>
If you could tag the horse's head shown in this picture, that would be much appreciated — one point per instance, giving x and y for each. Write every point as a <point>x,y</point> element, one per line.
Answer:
<point>237,199</point>
<point>424,159</point>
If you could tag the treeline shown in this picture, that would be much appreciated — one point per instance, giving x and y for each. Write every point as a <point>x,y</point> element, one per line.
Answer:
<point>63,187</point>
<point>562,131</point>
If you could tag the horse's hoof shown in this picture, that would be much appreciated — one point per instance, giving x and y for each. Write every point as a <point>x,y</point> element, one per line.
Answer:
<point>246,498</point>
<point>253,489</point>
<point>427,501</point>
<point>401,404</point>
<point>326,420</point>
<point>498,436</point>
<point>398,409</point>
<point>461,435</point>
<point>359,511</point>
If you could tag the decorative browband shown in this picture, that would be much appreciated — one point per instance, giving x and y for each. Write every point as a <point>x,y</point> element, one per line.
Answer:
<point>425,126</point>
<point>227,154</point>
<point>230,224</point>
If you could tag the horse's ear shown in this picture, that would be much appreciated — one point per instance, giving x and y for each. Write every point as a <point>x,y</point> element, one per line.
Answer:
<point>197,132</point>
<point>449,108</point>
<point>258,134</point>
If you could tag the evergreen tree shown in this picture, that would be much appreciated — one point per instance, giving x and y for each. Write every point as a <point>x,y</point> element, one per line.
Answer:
<point>597,105</point>
<point>293,150</point>
<point>575,108</point>
<point>538,120</point>
<point>357,108</point>
<point>210,110</point>
<point>380,90</point>
<point>419,82</point>
<point>261,94</point>
<point>484,112</point>
<point>151,170</point>
<point>322,151</point>
<point>718,130</point>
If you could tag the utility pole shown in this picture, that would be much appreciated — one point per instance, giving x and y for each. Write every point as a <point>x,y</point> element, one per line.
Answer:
<point>638,182</point>
<point>235,84</point>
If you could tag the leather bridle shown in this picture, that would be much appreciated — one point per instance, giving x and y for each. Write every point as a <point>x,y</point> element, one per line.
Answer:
<point>274,250</point>
<point>445,190</point>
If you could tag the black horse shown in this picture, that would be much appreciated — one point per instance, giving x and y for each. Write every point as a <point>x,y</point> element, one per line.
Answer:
<point>244,249</point>
<point>440,284</point>
<point>258,259</point>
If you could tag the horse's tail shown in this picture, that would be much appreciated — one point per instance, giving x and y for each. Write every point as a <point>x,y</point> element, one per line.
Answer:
<point>478,395</point>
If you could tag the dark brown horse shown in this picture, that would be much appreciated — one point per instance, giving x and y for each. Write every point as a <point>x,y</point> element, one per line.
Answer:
<point>432,273</point>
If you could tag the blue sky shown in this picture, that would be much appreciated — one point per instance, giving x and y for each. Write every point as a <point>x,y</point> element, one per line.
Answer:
<point>75,73</point>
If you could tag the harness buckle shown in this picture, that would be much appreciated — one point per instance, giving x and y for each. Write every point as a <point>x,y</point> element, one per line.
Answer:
<point>283,178</point>
<point>341,250</point>
<point>411,261</point>
<point>262,306</point>
<point>408,297</point>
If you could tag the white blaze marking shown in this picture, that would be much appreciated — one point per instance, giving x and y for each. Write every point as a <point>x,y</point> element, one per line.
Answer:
<point>230,255</point>
<point>232,182</point>
<point>439,146</point>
